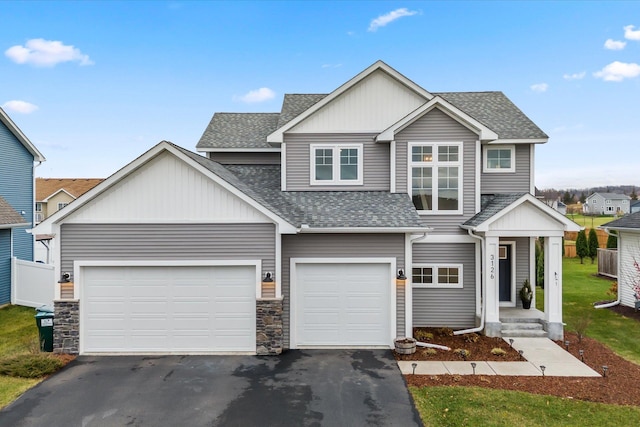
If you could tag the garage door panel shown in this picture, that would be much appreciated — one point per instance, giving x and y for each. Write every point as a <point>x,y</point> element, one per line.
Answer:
<point>343,304</point>
<point>168,309</point>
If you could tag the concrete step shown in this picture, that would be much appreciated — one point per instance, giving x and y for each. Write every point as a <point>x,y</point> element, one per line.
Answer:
<point>524,333</point>
<point>527,326</point>
<point>519,320</point>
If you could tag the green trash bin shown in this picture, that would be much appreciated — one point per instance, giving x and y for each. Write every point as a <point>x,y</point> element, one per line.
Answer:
<point>44,321</point>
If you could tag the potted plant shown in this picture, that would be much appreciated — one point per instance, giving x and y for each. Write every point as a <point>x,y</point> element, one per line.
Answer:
<point>405,345</point>
<point>526,294</point>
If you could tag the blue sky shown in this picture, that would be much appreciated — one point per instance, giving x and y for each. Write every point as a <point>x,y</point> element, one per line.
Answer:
<point>95,84</point>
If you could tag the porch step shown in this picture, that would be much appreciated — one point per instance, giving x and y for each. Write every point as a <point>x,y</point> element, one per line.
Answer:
<point>524,333</point>
<point>523,328</point>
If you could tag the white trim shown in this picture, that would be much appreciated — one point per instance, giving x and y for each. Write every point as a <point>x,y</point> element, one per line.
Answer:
<point>512,302</point>
<point>446,238</point>
<point>532,267</point>
<point>485,159</point>
<point>435,164</point>
<point>55,193</point>
<point>293,285</point>
<point>392,166</point>
<point>532,170</point>
<point>283,167</point>
<point>436,284</point>
<point>478,277</point>
<point>278,135</point>
<point>408,288</point>
<point>278,261</point>
<point>478,171</point>
<point>335,164</point>
<point>21,137</point>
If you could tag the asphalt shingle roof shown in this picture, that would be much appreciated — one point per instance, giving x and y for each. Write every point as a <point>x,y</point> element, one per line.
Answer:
<point>497,112</point>
<point>295,104</point>
<point>46,187</point>
<point>492,206</point>
<point>613,196</point>
<point>8,215</point>
<point>239,130</point>
<point>627,221</point>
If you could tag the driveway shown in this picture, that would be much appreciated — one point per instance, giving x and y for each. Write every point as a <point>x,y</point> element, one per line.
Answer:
<point>299,388</point>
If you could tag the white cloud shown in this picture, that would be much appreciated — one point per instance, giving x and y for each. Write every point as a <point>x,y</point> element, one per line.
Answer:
<point>618,71</point>
<point>575,76</point>
<point>630,33</point>
<point>23,107</point>
<point>540,87</point>
<point>386,19</point>
<point>46,53</point>
<point>614,44</point>
<point>258,95</point>
<point>331,65</point>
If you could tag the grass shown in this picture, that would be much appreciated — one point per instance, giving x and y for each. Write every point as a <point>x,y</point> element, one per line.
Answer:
<point>474,406</point>
<point>590,221</point>
<point>18,335</point>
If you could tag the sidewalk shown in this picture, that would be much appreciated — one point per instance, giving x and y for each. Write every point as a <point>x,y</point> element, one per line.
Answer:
<point>537,352</point>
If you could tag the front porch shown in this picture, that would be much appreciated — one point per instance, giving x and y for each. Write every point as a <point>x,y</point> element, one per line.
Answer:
<point>518,322</point>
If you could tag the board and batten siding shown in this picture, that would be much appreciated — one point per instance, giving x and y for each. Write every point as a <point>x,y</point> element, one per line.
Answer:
<point>167,242</point>
<point>376,165</point>
<point>514,182</point>
<point>521,264</point>
<point>245,158</point>
<point>16,187</point>
<point>340,246</point>
<point>436,126</point>
<point>439,307</point>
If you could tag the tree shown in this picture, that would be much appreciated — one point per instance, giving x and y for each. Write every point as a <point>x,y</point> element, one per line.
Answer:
<point>633,194</point>
<point>583,197</point>
<point>592,245</point>
<point>582,248</point>
<point>567,199</point>
<point>612,240</point>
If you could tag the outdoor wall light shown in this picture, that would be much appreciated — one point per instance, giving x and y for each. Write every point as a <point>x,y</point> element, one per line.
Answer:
<point>401,275</point>
<point>414,365</point>
<point>64,278</point>
<point>473,366</point>
<point>267,277</point>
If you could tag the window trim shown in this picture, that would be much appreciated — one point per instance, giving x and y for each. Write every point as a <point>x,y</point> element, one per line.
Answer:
<point>437,285</point>
<point>435,164</point>
<point>64,204</point>
<point>38,205</point>
<point>336,164</point>
<point>485,166</point>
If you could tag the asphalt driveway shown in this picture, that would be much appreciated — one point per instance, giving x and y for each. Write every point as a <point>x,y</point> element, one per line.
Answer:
<point>299,388</point>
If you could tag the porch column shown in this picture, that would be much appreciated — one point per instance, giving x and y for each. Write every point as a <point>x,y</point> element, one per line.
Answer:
<point>553,287</point>
<point>493,327</point>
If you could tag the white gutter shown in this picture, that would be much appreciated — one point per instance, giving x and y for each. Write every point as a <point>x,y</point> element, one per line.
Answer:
<point>483,287</point>
<point>617,301</point>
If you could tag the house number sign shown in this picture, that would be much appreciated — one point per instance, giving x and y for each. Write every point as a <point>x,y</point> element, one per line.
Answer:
<point>492,267</point>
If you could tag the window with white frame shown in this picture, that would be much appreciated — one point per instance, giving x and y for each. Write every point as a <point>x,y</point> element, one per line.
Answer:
<point>608,201</point>
<point>499,158</point>
<point>437,275</point>
<point>38,207</point>
<point>436,177</point>
<point>62,205</point>
<point>336,164</point>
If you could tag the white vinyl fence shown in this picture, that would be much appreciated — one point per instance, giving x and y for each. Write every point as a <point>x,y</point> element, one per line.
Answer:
<point>32,284</point>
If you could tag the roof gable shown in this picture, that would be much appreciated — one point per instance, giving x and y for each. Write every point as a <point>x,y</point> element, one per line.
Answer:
<point>74,187</point>
<point>611,196</point>
<point>238,131</point>
<point>369,91</point>
<point>6,120</point>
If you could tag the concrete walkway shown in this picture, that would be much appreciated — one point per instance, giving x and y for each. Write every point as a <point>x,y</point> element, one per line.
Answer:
<point>537,352</point>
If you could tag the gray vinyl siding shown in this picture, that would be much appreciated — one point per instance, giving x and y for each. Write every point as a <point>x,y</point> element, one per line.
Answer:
<point>521,263</point>
<point>376,167</point>
<point>436,126</point>
<point>339,246</point>
<point>438,307</point>
<point>168,242</point>
<point>5,266</point>
<point>515,182</point>
<point>248,158</point>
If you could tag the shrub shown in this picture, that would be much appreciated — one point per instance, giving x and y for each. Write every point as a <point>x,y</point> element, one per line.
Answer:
<point>582,249</point>
<point>30,365</point>
<point>497,351</point>
<point>613,290</point>
<point>422,335</point>
<point>580,326</point>
<point>592,245</point>
<point>471,338</point>
<point>445,332</point>
<point>462,353</point>
<point>612,240</point>
<point>430,351</point>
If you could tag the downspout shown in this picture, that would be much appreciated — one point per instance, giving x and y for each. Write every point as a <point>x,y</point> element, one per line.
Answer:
<point>617,301</point>
<point>482,286</point>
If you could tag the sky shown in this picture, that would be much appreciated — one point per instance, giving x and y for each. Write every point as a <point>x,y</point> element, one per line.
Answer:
<point>95,84</point>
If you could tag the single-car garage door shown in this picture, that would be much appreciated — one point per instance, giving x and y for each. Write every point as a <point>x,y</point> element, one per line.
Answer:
<point>342,304</point>
<point>159,309</point>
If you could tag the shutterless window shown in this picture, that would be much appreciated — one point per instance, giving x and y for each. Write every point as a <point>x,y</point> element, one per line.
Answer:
<point>435,177</point>
<point>336,164</point>
<point>62,205</point>
<point>38,207</point>
<point>437,276</point>
<point>499,159</point>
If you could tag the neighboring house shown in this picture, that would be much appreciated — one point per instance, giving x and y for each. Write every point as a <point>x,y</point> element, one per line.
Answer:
<point>17,171</point>
<point>344,220</point>
<point>635,206</point>
<point>53,194</point>
<point>556,205</point>
<point>628,229</point>
<point>607,204</point>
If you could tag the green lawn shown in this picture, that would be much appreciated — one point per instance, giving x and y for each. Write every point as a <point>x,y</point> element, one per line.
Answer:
<point>590,221</point>
<point>18,334</point>
<point>475,406</point>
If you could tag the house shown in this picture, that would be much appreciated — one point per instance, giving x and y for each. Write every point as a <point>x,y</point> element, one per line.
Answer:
<point>17,171</point>
<point>607,204</point>
<point>635,206</point>
<point>53,194</point>
<point>344,220</point>
<point>628,230</point>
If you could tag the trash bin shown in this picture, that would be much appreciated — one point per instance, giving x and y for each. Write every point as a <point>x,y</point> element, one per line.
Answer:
<point>44,321</point>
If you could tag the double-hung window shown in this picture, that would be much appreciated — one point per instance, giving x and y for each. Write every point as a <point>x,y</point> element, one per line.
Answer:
<point>437,275</point>
<point>436,177</point>
<point>336,164</point>
<point>499,158</point>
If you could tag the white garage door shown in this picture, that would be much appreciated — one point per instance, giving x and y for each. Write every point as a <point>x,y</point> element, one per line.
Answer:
<point>168,309</point>
<point>342,305</point>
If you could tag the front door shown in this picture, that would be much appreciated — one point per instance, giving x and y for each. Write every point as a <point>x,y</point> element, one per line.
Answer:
<point>506,289</point>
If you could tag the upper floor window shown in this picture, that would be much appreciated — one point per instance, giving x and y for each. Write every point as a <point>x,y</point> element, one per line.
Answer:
<point>336,164</point>
<point>62,205</point>
<point>499,158</point>
<point>38,207</point>
<point>436,177</point>
<point>437,276</point>
<point>608,201</point>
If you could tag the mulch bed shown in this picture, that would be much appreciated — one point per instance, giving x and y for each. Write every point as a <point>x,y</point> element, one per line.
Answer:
<point>621,386</point>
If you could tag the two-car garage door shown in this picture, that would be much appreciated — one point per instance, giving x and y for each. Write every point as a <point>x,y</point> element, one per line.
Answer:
<point>149,309</point>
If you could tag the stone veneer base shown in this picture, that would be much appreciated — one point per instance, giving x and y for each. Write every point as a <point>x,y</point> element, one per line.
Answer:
<point>269,331</point>
<point>66,326</point>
